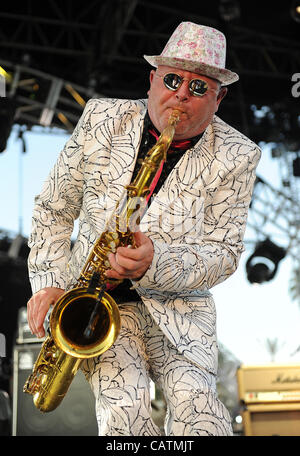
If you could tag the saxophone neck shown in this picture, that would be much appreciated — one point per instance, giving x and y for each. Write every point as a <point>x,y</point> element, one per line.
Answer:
<point>160,149</point>
<point>168,132</point>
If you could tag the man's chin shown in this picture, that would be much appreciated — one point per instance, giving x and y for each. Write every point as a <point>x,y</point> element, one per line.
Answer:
<point>182,131</point>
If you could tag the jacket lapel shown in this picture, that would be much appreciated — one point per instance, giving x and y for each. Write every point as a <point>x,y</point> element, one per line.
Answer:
<point>125,141</point>
<point>180,200</point>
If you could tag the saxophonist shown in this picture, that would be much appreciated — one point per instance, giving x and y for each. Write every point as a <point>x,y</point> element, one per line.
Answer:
<point>190,237</point>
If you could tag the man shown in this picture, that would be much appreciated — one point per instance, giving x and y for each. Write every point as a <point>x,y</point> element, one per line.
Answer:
<point>190,237</point>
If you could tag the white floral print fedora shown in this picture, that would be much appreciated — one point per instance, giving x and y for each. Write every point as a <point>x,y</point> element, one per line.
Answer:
<point>196,48</point>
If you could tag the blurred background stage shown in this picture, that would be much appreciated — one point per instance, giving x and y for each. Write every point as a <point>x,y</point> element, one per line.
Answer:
<point>54,57</point>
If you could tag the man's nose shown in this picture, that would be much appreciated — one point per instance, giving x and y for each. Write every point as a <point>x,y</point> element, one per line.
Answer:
<point>183,93</point>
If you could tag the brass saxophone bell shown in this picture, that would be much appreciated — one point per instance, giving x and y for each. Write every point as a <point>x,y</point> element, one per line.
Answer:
<point>70,317</point>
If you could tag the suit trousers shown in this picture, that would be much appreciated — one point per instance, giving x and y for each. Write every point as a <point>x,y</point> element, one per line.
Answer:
<point>120,380</point>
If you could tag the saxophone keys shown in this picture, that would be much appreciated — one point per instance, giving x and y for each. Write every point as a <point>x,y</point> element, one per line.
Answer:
<point>112,245</point>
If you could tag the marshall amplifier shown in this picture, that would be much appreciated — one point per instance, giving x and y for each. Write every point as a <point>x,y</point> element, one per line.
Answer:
<point>24,335</point>
<point>270,396</point>
<point>75,416</point>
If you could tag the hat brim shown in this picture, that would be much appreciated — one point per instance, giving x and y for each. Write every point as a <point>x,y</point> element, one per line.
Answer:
<point>223,75</point>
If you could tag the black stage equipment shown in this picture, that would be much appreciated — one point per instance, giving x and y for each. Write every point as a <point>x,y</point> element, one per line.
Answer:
<point>262,265</point>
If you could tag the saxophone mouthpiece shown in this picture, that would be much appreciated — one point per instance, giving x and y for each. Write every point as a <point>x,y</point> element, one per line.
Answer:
<point>175,116</point>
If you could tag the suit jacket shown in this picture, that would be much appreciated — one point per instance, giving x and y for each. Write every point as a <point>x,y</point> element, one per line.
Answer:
<point>196,221</point>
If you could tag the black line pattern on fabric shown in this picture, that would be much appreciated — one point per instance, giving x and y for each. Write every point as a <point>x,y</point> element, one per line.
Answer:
<point>209,190</point>
<point>119,379</point>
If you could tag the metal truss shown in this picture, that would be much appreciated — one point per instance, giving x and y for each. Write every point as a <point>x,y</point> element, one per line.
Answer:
<point>43,99</point>
<point>106,40</point>
<point>275,213</point>
<point>260,54</point>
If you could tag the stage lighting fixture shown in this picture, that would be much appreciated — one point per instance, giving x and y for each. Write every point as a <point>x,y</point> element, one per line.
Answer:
<point>295,10</point>
<point>296,167</point>
<point>262,265</point>
<point>229,10</point>
<point>5,243</point>
<point>7,114</point>
<point>18,248</point>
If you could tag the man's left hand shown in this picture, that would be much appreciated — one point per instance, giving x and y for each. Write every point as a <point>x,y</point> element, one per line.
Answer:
<point>131,263</point>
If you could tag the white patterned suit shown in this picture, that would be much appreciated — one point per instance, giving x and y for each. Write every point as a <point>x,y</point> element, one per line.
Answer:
<point>196,222</point>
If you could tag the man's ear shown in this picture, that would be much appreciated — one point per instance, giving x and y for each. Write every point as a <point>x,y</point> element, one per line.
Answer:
<point>151,76</point>
<point>222,93</point>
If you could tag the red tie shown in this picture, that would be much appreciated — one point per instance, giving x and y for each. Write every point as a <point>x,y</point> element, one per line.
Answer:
<point>175,145</point>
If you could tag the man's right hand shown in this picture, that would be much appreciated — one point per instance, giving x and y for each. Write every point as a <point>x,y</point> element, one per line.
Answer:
<point>38,306</point>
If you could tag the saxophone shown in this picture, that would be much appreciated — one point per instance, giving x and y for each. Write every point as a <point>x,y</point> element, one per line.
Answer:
<point>85,321</point>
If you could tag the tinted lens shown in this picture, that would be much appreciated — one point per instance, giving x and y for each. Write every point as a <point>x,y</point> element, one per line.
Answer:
<point>198,87</point>
<point>172,81</point>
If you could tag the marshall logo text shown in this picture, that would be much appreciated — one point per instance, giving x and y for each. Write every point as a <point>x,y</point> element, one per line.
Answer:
<point>282,378</point>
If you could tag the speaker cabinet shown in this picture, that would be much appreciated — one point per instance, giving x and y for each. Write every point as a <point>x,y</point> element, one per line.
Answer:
<point>272,420</point>
<point>270,396</point>
<point>75,416</point>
